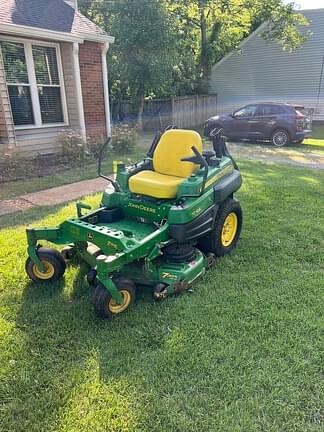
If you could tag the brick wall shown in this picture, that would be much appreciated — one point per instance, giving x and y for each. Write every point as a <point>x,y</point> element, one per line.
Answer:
<point>92,88</point>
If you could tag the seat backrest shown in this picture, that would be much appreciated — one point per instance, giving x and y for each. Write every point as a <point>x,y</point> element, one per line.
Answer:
<point>174,145</point>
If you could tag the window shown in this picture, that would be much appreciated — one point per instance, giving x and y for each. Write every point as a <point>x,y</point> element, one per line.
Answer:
<point>272,110</point>
<point>34,83</point>
<point>247,111</point>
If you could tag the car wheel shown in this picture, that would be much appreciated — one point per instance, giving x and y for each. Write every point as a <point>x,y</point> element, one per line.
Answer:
<point>280,138</point>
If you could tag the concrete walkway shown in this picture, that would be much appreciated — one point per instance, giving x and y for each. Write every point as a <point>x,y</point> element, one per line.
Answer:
<point>53,196</point>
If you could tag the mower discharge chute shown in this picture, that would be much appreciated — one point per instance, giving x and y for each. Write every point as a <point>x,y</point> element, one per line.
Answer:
<point>162,226</point>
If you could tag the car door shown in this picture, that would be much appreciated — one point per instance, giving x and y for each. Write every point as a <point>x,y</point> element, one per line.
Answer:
<point>267,120</point>
<point>242,121</point>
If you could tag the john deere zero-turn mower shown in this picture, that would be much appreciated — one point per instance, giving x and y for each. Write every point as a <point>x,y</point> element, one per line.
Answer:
<point>161,225</point>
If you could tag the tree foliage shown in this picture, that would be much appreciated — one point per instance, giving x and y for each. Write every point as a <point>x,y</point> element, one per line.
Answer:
<point>167,47</point>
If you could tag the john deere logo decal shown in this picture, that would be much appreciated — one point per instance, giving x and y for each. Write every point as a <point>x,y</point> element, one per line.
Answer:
<point>142,207</point>
<point>90,236</point>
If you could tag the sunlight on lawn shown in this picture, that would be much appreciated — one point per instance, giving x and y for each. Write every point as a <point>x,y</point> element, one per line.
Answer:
<point>241,352</point>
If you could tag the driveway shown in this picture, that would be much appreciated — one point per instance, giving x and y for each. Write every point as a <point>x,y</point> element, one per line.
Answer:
<point>305,156</point>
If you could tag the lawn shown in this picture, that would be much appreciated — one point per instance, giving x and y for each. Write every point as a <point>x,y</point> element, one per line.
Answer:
<point>14,189</point>
<point>242,352</point>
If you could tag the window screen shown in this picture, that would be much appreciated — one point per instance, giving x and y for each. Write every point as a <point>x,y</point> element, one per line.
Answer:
<point>33,103</point>
<point>48,84</point>
<point>18,83</point>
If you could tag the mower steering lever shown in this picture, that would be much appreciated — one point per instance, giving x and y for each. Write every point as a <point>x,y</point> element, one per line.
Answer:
<point>199,160</point>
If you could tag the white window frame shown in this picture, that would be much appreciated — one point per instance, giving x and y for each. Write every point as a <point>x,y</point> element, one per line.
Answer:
<point>28,43</point>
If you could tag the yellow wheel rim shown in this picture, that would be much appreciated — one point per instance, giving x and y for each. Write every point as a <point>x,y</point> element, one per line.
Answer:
<point>47,274</point>
<point>116,308</point>
<point>229,229</point>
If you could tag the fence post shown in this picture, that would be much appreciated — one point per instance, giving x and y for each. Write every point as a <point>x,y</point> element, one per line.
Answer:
<point>173,111</point>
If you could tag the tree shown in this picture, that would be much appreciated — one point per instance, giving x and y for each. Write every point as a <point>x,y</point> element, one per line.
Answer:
<point>167,47</point>
<point>143,56</point>
<point>219,26</point>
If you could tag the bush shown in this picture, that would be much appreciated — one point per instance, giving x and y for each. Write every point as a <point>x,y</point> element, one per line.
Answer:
<point>73,147</point>
<point>93,147</point>
<point>124,139</point>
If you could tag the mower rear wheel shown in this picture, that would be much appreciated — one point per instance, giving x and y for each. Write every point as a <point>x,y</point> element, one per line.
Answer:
<point>227,228</point>
<point>54,264</point>
<point>105,306</point>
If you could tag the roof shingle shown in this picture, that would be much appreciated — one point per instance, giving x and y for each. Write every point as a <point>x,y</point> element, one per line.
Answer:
<point>55,15</point>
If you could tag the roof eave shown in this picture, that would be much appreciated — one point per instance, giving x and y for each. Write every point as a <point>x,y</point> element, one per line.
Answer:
<point>36,32</point>
<point>92,37</point>
<point>39,33</point>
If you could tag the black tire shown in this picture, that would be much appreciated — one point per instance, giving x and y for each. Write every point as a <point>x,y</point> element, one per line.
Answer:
<point>159,292</point>
<point>54,262</point>
<point>280,138</point>
<point>68,252</point>
<point>215,241</point>
<point>105,306</point>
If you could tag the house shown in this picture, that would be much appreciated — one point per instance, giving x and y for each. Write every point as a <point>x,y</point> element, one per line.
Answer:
<point>53,75</point>
<point>263,71</point>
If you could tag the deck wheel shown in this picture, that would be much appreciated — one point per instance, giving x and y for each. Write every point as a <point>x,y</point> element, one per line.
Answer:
<point>54,264</point>
<point>105,306</point>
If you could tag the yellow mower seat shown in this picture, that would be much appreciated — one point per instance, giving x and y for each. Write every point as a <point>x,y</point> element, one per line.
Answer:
<point>168,169</point>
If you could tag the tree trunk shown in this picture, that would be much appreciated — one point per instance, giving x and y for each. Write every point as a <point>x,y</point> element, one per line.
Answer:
<point>204,63</point>
<point>140,110</point>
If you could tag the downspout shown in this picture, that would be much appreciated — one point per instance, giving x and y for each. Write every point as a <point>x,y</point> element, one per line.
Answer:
<point>79,96</point>
<point>104,52</point>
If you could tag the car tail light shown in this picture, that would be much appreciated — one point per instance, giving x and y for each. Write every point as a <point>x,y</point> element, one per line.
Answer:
<point>300,122</point>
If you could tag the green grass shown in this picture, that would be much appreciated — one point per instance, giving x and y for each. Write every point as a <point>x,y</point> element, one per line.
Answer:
<point>243,352</point>
<point>314,142</point>
<point>318,132</point>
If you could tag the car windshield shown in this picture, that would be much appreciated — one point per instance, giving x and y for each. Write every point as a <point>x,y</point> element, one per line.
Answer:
<point>247,111</point>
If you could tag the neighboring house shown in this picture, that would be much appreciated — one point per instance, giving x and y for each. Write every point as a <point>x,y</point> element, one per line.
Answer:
<point>262,71</point>
<point>53,75</point>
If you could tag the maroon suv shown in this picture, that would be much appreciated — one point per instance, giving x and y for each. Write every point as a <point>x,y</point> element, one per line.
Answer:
<point>280,123</point>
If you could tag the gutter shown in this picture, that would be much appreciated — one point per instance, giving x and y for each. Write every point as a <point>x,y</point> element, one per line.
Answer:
<point>104,52</point>
<point>39,33</point>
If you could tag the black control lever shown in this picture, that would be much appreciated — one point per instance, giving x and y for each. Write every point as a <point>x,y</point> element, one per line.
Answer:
<point>219,144</point>
<point>198,159</point>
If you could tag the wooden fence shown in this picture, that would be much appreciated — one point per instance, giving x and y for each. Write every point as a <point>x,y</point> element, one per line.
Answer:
<point>183,111</point>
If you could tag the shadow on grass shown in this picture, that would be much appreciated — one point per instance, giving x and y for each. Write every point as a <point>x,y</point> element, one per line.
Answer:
<point>61,337</point>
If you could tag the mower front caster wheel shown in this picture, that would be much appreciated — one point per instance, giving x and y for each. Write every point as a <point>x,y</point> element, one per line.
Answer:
<point>53,262</point>
<point>105,306</point>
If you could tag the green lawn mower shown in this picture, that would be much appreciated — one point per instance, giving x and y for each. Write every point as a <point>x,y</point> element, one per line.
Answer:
<point>161,225</point>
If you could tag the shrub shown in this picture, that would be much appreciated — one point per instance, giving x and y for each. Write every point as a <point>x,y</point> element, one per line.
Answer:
<point>73,147</point>
<point>93,147</point>
<point>124,139</point>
